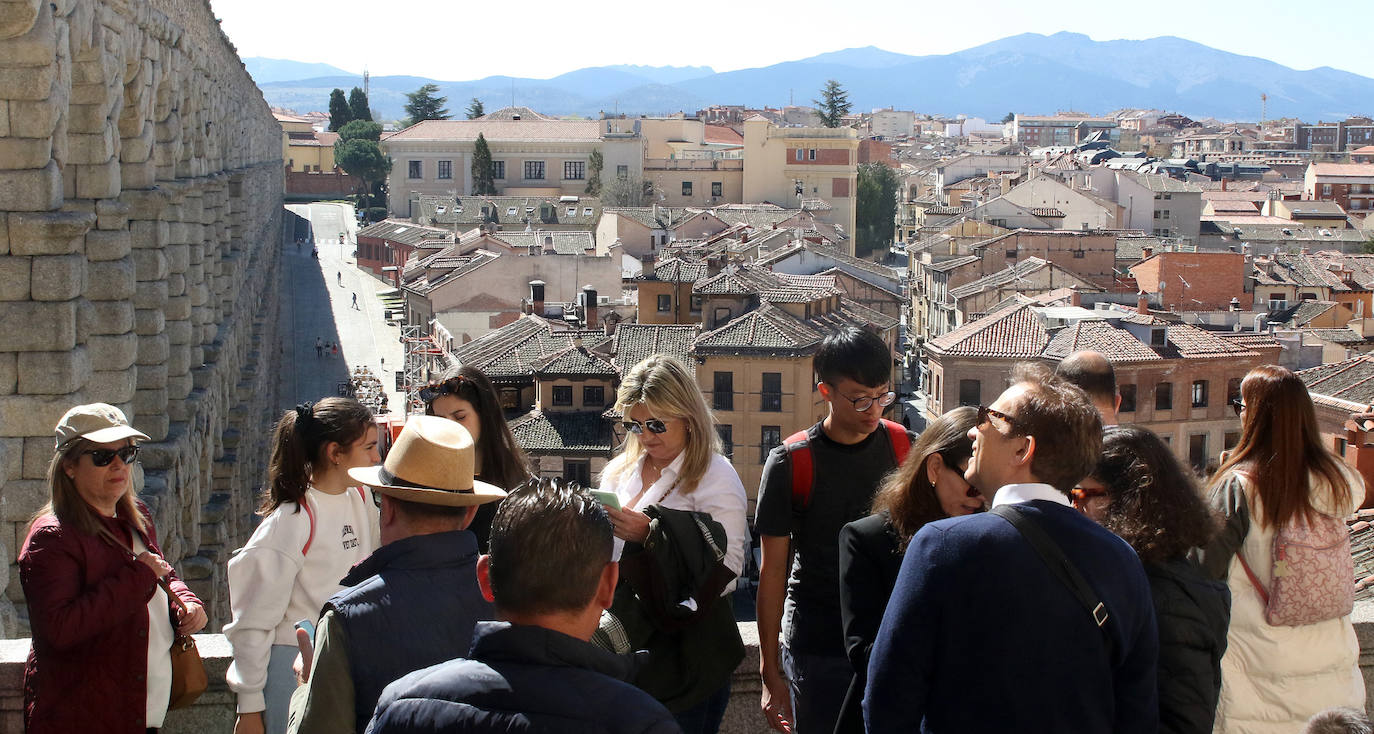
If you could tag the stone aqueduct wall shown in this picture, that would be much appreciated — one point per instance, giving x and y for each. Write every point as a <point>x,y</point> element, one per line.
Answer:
<point>140,218</point>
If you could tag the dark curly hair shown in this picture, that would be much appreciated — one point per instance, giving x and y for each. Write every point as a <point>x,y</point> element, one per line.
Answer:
<point>1155,504</point>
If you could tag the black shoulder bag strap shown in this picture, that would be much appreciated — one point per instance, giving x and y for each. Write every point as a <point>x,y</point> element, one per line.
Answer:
<point>1060,566</point>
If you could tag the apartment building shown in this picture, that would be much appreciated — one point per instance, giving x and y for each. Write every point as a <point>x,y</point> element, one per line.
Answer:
<point>795,166</point>
<point>1193,281</point>
<point>1036,131</point>
<point>533,156</point>
<point>1351,185</point>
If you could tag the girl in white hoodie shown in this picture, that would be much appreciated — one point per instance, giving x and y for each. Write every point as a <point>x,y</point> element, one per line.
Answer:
<point>315,527</point>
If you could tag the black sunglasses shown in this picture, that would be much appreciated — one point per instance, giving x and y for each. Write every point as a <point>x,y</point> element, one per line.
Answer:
<point>103,457</point>
<point>1237,405</point>
<point>435,389</point>
<point>984,413</point>
<point>653,424</point>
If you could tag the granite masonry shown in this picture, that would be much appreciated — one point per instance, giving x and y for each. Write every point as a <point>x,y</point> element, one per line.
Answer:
<point>140,225</point>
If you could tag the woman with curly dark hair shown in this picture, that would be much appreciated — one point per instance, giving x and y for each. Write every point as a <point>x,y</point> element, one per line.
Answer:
<point>1155,505</point>
<point>928,486</point>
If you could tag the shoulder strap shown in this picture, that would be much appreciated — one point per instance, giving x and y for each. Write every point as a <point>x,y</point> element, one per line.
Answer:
<point>310,514</point>
<point>901,441</point>
<point>162,581</point>
<point>1059,564</point>
<point>1254,580</point>
<point>803,469</point>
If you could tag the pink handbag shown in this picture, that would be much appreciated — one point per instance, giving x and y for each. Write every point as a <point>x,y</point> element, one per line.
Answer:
<point>1314,573</point>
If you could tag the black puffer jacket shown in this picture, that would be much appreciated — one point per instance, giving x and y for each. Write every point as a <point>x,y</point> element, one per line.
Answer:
<point>1193,613</point>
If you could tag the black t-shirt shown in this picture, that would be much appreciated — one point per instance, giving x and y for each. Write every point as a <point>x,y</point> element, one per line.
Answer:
<point>845,478</point>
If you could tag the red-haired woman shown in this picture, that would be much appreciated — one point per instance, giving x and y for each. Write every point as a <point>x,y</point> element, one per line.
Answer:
<point>1273,677</point>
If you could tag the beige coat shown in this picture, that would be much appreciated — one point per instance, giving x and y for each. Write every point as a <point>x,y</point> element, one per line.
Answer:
<point>1273,679</point>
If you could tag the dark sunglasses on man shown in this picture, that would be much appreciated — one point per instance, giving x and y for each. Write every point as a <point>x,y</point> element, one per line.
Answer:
<point>103,457</point>
<point>985,414</point>
<point>435,389</point>
<point>637,428</point>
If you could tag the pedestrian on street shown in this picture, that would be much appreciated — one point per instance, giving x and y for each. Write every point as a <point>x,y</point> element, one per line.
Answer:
<point>355,302</point>
<point>319,348</point>
<point>340,274</point>
<point>336,349</point>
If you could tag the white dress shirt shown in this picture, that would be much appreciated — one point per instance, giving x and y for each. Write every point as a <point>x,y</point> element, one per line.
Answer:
<point>1012,494</point>
<point>719,494</point>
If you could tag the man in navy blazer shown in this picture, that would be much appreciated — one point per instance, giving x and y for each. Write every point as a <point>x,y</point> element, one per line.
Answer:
<point>980,635</point>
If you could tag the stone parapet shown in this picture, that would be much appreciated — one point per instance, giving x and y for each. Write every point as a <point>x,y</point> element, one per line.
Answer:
<point>140,226</point>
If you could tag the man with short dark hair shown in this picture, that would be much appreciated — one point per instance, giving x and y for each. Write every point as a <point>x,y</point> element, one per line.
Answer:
<point>550,574</point>
<point>806,673</point>
<point>981,633</point>
<point>414,601</point>
<point>1092,372</point>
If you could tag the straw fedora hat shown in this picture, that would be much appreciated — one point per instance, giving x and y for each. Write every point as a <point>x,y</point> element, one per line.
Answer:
<point>431,462</point>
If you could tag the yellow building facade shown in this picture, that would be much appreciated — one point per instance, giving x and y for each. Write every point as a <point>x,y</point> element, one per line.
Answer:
<point>797,165</point>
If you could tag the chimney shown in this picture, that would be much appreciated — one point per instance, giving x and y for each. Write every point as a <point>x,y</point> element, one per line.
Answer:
<point>589,305</point>
<point>1223,183</point>
<point>1146,252</point>
<point>1235,303</point>
<point>1075,298</point>
<point>537,297</point>
<point>1142,304</point>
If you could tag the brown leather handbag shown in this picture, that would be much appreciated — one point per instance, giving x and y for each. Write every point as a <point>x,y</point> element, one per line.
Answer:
<point>188,672</point>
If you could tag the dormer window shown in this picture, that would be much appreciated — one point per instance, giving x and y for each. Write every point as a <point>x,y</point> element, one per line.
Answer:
<point>1157,337</point>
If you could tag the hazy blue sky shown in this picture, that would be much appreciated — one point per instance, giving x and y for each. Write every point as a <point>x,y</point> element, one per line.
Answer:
<point>541,39</point>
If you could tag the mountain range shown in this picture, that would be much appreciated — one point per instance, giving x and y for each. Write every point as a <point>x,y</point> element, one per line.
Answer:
<point>1028,73</point>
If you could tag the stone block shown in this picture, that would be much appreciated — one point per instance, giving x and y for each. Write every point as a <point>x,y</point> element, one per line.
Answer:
<point>179,386</point>
<point>151,296</point>
<point>31,190</point>
<point>148,233</point>
<point>98,181</point>
<point>18,16</point>
<point>105,317</point>
<point>48,233</point>
<point>37,455</point>
<point>148,321</point>
<point>179,332</point>
<point>178,258</point>
<point>4,232</point>
<point>152,349</point>
<point>9,374</point>
<point>138,148</point>
<point>12,463</point>
<point>152,376</point>
<point>14,278</point>
<point>178,308</point>
<point>35,47</point>
<point>57,277</point>
<point>93,149</point>
<point>104,245</point>
<point>34,118</point>
<point>149,265</point>
<point>54,331</point>
<point>87,116</point>
<point>34,415</point>
<point>112,352</point>
<point>110,281</point>
<point>21,498</point>
<point>27,82</point>
<point>114,386</point>
<point>53,373</point>
<point>142,175</point>
<point>16,153</point>
<point>112,215</point>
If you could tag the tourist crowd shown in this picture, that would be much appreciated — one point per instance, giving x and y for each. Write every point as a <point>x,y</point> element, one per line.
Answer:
<point>1026,565</point>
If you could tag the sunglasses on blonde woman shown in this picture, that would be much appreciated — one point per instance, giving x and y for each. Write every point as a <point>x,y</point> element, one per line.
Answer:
<point>653,424</point>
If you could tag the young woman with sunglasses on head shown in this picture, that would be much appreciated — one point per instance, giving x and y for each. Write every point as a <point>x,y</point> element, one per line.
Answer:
<point>672,459</point>
<point>928,486</point>
<point>316,524</point>
<point>91,569</point>
<point>465,395</point>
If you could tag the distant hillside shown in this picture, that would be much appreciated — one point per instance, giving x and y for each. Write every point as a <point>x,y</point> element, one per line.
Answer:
<point>1029,73</point>
<point>265,71</point>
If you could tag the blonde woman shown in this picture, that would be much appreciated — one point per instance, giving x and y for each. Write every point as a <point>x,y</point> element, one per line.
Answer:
<point>671,459</point>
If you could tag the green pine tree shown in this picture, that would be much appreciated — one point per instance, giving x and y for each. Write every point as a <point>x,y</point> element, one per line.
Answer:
<point>483,172</point>
<point>833,105</point>
<point>339,112</point>
<point>475,109</point>
<point>357,105</point>
<point>424,104</point>
<point>594,166</point>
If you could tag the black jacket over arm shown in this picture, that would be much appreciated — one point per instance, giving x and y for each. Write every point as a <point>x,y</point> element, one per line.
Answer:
<point>869,563</point>
<point>1193,613</point>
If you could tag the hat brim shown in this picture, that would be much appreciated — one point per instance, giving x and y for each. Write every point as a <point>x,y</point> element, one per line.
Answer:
<point>115,433</point>
<point>480,494</point>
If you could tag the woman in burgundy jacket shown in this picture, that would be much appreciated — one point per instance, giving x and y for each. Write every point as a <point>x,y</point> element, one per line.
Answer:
<point>95,609</point>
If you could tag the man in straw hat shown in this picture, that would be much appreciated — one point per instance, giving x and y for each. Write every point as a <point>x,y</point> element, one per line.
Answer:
<point>550,574</point>
<point>415,601</point>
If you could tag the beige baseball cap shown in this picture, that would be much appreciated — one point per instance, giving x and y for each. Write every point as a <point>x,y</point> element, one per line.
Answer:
<point>97,423</point>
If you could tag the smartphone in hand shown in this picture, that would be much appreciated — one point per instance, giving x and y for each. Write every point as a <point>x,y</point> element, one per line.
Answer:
<point>608,499</point>
<point>308,626</point>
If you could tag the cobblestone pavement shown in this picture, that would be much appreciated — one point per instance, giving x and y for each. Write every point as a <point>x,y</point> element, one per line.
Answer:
<point>320,304</point>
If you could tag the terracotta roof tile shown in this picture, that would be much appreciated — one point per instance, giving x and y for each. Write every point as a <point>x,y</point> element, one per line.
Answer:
<point>561,433</point>
<point>635,342</point>
<point>1012,333</point>
<point>1118,345</point>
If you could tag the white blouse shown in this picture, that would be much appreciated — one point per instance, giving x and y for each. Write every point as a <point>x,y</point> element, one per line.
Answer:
<point>719,494</point>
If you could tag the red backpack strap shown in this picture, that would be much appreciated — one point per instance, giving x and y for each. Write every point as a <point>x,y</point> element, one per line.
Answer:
<point>361,496</point>
<point>310,514</point>
<point>803,470</point>
<point>1254,580</point>
<point>900,439</point>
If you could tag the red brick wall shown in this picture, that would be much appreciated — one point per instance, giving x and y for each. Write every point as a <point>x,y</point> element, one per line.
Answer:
<point>824,157</point>
<point>876,151</point>
<point>321,184</point>
<point>1213,278</point>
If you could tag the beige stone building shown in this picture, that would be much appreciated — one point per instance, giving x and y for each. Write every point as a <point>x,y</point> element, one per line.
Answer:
<point>821,162</point>
<point>141,184</point>
<point>534,156</point>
